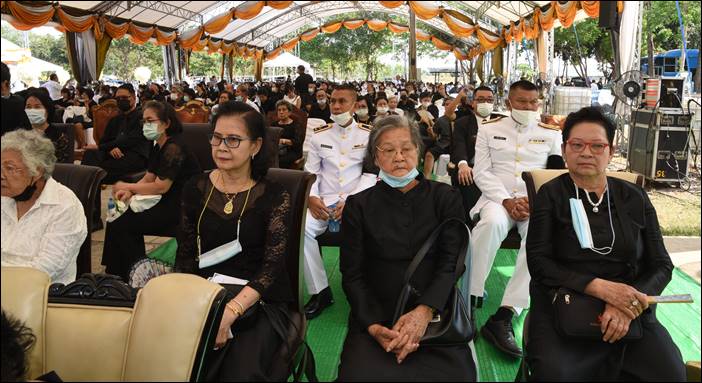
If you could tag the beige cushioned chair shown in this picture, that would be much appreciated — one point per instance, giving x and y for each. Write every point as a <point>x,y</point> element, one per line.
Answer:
<point>99,329</point>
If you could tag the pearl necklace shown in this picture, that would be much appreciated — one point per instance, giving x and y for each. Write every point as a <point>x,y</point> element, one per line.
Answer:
<point>595,206</point>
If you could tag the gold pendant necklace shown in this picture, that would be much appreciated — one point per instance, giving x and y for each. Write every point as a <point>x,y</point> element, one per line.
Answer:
<point>229,206</point>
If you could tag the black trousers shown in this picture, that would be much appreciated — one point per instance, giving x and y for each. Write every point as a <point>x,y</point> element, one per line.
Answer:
<point>124,237</point>
<point>469,193</point>
<point>552,357</point>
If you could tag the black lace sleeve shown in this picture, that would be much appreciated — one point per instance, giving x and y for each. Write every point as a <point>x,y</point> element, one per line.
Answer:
<point>63,148</point>
<point>276,244</point>
<point>170,162</point>
<point>186,255</point>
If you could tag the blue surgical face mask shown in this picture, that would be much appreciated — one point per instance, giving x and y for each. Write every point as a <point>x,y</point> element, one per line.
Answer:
<point>399,182</point>
<point>150,130</point>
<point>581,224</point>
<point>220,253</point>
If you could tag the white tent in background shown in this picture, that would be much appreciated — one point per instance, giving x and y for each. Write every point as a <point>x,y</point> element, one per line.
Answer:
<point>287,60</point>
<point>27,69</point>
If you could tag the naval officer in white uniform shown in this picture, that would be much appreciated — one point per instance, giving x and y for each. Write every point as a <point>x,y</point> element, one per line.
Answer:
<point>505,147</point>
<point>336,157</point>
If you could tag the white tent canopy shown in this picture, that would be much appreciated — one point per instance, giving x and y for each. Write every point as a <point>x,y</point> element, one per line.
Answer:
<point>286,60</point>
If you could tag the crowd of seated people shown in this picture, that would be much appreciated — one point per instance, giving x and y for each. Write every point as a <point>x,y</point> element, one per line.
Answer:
<point>367,160</point>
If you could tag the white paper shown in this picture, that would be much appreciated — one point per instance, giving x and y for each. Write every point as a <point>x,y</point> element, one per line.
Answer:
<point>227,280</point>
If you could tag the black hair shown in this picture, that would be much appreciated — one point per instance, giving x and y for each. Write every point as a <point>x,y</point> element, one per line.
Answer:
<point>380,96</point>
<point>264,90</point>
<point>45,100</point>
<point>256,127</point>
<point>166,113</point>
<point>5,73</point>
<point>523,85</point>
<point>424,94</point>
<point>53,76</point>
<point>589,114</point>
<point>483,87</point>
<point>301,67</point>
<point>348,87</point>
<point>190,93</point>
<point>16,340</point>
<point>89,92</point>
<point>128,87</point>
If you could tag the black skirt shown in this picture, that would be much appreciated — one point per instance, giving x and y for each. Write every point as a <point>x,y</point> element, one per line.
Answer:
<point>362,359</point>
<point>254,354</point>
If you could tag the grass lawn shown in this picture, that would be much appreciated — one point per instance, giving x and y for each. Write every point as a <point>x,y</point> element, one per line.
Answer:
<point>678,212</point>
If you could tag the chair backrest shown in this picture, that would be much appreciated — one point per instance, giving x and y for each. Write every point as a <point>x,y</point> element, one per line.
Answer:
<point>536,178</point>
<point>298,183</point>
<point>102,114</point>
<point>70,133</point>
<point>273,133</point>
<point>84,181</point>
<point>193,112</point>
<point>195,135</point>
<point>24,295</point>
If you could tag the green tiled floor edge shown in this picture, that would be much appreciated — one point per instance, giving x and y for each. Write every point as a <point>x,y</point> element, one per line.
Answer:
<point>326,333</point>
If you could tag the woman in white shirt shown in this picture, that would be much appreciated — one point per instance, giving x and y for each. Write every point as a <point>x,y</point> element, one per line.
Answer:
<point>43,223</point>
<point>292,97</point>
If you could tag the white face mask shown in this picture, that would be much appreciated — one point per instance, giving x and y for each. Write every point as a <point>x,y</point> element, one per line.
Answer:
<point>581,224</point>
<point>426,104</point>
<point>342,118</point>
<point>174,96</point>
<point>362,112</point>
<point>525,117</point>
<point>310,90</point>
<point>221,253</point>
<point>322,101</point>
<point>382,110</point>
<point>36,116</point>
<point>186,98</point>
<point>484,109</point>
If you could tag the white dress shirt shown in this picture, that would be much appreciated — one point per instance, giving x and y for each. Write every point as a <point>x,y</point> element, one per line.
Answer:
<point>505,149</point>
<point>48,236</point>
<point>54,89</point>
<point>336,157</point>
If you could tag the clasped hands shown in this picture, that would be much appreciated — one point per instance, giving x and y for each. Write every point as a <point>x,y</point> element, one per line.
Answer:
<point>403,339</point>
<point>624,303</point>
<point>322,212</point>
<point>517,208</point>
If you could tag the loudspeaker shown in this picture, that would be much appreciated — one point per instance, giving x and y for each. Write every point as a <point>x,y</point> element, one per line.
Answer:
<point>609,17</point>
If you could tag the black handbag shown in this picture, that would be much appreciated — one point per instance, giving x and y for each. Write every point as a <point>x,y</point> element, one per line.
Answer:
<point>452,326</point>
<point>577,316</point>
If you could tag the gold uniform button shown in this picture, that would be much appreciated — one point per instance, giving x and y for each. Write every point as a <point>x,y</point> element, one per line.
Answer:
<point>518,160</point>
<point>343,137</point>
<point>341,165</point>
<point>519,146</point>
<point>341,180</point>
<point>343,152</point>
<point>516,174</point>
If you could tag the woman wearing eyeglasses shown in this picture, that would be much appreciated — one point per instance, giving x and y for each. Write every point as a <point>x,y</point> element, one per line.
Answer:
<point>599,237</point>
<point>170,165</point>
<point>384,228</point>
<point>235,222</point>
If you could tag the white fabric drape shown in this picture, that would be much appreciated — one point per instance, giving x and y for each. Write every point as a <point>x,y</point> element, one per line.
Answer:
<point>90,53</point>
<point>628,35</point>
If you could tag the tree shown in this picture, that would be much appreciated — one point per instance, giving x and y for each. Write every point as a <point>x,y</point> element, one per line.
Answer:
<point>591,41</point>
<point>124,56</point>
<point>45,47</point>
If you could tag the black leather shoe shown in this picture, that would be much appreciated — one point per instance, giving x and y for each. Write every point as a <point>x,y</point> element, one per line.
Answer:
<point>318,303</point>
<point>501,335</point>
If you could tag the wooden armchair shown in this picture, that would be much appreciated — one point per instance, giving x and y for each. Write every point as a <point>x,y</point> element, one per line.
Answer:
<point>102,114</point>
<point>193,112</point>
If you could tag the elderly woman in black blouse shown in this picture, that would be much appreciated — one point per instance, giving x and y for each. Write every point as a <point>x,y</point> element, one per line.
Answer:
<point>383,229</point>
<point>236,204</point>
<point>623,261</point>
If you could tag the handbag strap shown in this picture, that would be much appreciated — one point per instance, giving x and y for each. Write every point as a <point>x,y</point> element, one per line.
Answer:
<point>430,241</point>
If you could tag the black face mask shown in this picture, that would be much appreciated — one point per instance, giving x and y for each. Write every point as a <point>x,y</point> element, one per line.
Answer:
<point>27,193</point>
<point>124,105</point>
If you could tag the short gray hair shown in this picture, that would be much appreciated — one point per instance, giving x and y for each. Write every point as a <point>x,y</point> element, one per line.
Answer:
<point>387,123</point>
<point>37,151</point>
<point>284,103</point>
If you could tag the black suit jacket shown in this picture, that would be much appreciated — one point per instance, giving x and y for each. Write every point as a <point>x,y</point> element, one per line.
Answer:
<point>13,115</point>
<point>465,131</point>
<point>125,132</point>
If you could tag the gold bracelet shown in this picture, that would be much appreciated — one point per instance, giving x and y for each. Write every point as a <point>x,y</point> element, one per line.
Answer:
<point>239,304</point>
<point>234,309</point>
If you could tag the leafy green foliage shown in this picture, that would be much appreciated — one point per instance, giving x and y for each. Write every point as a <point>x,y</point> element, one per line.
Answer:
<point>593,42</point>
<point>661,20</point>
<point>45,47</point>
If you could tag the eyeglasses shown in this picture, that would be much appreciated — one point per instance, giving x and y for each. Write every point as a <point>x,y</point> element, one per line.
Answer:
<point>10,169</point>
<point>389,152</point>
<point>483,100</point>
<point>232,142</point>
<point>595,147</point>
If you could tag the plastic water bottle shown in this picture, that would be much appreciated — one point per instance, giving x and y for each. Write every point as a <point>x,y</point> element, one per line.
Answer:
<point>333,224</point>
<point>111,207</point>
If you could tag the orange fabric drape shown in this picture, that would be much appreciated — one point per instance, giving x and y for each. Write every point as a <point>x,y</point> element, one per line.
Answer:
<point>531,29</point>
<point>460,55</point>
<point>441,45</point>
<point>517,31</point>
<point>332,28</point>
<point>190,38</point>
<point>227,48</point>
<point>116,31</point>
<point>290,44</point>
<point>213,47</point>
<point>139,35</point>
<point>353,24</point>
<point>27,17</point>
<point>249,9</point>
<point>425,10</point>
<point>75,23</point>
<point>507,34</point>
<point>547,18</point>
<point>592,8</point>
<point>391,4</point>
<point>278,4</point>
<point>274,53</point>
<point>487,41</point>
<point>423,36</point>
<point>620,6</point>
<point>309,35</point>
<point>397,28</point>
<point>459,24</point>
<point>218,23</point>
<point>566,12</point>
<point>164,38</point>
<point>376,25</point>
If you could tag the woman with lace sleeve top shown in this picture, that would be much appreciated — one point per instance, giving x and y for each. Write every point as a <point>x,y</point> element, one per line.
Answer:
<point>234,222</point>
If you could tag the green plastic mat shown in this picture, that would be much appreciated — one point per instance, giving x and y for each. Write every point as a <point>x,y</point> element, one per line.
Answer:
<point>326,333</point>
<point>166,252</point>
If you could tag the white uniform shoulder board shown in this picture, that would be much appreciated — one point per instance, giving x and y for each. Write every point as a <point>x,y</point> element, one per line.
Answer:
<point>322,128</point>
<point>549,126</point>
<point>365,127</point>
<point>493,120</point>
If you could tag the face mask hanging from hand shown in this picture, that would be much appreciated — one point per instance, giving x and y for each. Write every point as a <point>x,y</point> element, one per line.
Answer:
<point>581,224</point>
